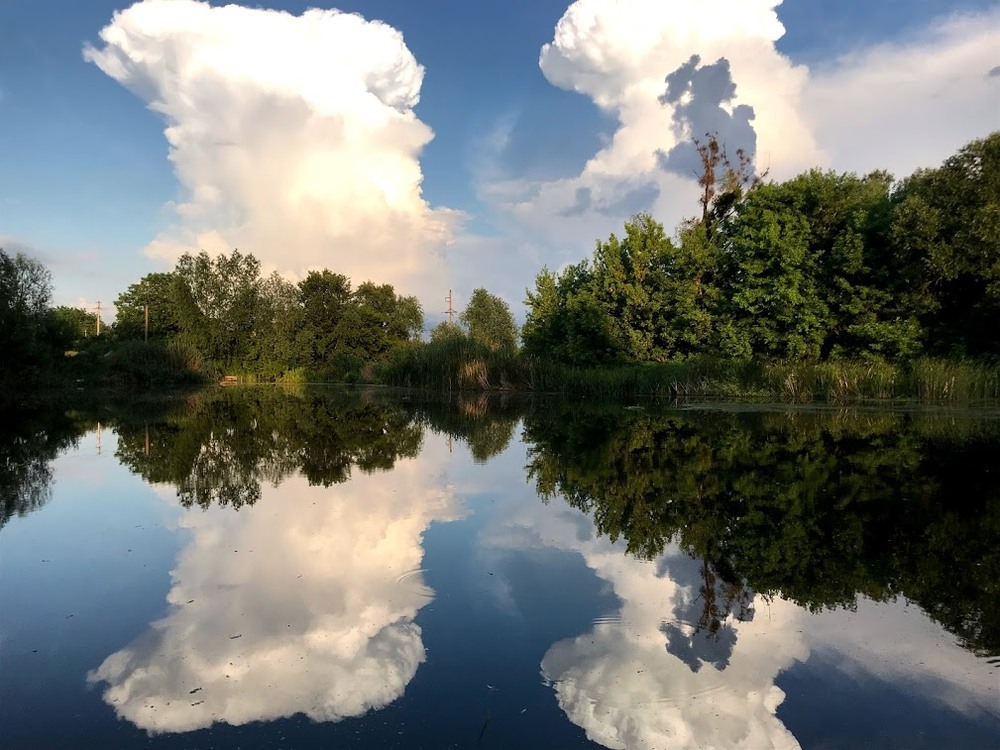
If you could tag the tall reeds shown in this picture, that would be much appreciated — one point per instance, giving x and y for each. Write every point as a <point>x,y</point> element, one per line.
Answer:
<point>461,365</point>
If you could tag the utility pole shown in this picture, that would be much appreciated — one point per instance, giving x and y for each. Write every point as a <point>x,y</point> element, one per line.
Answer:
<point>450,309</point>
<point>146,309</point>
<point>98,317</point>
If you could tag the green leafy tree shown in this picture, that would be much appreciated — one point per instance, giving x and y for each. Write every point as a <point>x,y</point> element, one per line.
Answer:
<point>383,320</point>
<point>158,290</point>
<point>566,321</point>
<point>324,335</point>
<point>69,327</point>
<point>25,293</point>
<point>946,223</point>
<point>769,282</point>
<point>489,322</point>
<point>218,302</point>
<point>279,321</point>
<point>543,330</point>
<point>445,332</point>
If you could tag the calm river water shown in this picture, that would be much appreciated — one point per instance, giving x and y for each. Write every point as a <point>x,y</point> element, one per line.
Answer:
<point>265,568</point>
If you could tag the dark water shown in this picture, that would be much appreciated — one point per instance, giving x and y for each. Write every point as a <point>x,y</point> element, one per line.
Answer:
<point>259,568</point>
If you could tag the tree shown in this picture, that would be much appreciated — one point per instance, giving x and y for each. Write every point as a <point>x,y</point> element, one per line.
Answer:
<point>279,320</point>
<point>160,292</point>
<point>489,322</point>
<point>946,223</point>
<point>67,327</point>
<point>723,184</point>
<point>218,303</point>
<point>566,321</point>
<point>445,332</point>
<point>542,331</point>
<point>25,292</point>
<point>383,320</point>
<point>769,282</point>
<point>326,300</point>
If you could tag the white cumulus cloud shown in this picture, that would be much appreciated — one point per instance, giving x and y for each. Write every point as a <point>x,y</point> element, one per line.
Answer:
<point>895,106</point>
<point>303,603</point>
<point>618,53</point>
<point>292,137</point>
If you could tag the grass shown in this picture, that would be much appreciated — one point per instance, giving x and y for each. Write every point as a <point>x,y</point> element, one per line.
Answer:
<point>460,365</point>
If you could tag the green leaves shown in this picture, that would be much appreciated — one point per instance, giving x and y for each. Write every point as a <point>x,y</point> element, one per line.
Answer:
<point>489,322</point>
<point>822,266</point>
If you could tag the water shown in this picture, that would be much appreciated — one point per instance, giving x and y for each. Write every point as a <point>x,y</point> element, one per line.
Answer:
<point>261,568</point>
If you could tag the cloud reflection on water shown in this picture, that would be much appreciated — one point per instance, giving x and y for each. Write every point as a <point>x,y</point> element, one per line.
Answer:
<point>626,684</point>
<point>303,603</point>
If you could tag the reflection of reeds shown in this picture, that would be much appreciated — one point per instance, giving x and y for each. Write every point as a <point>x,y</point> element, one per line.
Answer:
<point>474,407</point>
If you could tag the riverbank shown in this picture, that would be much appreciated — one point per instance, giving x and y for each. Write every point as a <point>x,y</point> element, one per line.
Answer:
<point>457,369</point>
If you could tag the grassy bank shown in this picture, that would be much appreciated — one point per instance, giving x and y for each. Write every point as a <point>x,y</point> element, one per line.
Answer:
<point>459,366</point>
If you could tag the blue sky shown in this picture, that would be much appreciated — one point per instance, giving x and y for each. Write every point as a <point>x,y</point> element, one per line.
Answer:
<point>87,186</point>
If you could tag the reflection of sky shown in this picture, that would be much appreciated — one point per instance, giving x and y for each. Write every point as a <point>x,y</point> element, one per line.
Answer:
<point>619,681</point>
<point>303,603</point>
<point>550,632</point>
<point>627,686</point>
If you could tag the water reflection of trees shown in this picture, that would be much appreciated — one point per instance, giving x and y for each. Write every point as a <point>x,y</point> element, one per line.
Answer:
<point>816,507</point>
<point>485,422</point>
<point>29,439</point>
<point>223,444</point>
<point>711,637</point>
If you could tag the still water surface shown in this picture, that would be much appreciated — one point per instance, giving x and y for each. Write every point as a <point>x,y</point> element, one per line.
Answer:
<point>262,568</point>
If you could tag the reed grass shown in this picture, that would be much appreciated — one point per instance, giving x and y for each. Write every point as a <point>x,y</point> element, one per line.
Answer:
<point>461,365</point>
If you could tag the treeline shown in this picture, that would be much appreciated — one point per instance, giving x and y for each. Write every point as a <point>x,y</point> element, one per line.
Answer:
<point>33,334</point>
<point>823,286</point>
<point>207,318</point>
<point>824,266</point>
<point>226,318</point>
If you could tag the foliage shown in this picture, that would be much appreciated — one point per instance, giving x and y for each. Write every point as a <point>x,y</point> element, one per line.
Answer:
<point>136,364</point>
<point>946,223</point>
<point>489,322</point>
<point>70,327</point>
<point>817,507</point>
<point>25,293</point>
<point>217,305</point>
<point>828,286</point>
<point>158,291</point>
<point>445,331</point>
<point>824,266</point>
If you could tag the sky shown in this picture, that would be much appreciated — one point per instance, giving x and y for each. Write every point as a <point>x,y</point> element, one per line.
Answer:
<point>445,144</point>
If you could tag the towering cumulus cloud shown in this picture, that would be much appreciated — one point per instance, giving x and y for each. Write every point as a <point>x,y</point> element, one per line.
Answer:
<point>293,137</point>
<point>667,71</point>
<point>619,54</point>
<point>303,603</point>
